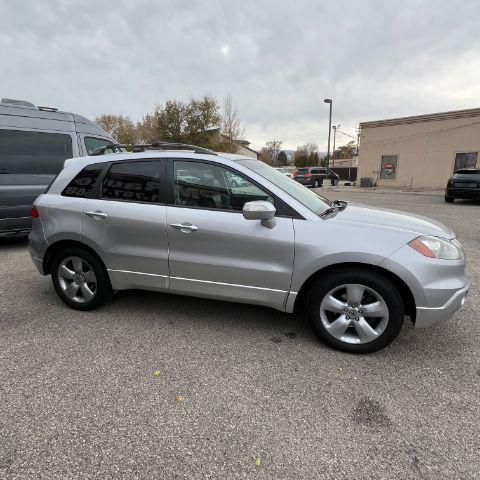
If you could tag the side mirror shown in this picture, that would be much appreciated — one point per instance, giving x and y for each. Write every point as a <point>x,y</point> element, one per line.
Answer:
<point>260,210</point>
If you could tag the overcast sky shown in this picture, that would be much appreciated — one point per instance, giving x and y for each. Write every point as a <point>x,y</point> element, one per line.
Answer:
<point>277,59</point>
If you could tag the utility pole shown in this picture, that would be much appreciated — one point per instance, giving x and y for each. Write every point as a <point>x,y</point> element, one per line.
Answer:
<point>330,102</point>
<point>334,136</point>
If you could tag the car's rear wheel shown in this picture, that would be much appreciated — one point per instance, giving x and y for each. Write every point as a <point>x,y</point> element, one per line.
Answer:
<point>356,311</point>
<point>80,279</point>
<point>449,199</point>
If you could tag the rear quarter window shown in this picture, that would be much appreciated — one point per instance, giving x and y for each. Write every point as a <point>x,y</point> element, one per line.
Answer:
<point>84,182</point>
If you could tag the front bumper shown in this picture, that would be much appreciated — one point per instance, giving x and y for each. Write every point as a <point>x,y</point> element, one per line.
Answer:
<point>458,192</point>
<point>428,316</point>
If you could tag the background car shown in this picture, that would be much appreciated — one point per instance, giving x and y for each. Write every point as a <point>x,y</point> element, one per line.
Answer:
<point>314,176</point>
<point>464,183</point>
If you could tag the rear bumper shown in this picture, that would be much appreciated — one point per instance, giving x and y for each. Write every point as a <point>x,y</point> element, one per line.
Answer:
<point>428,316</point>
<point>37,245</point>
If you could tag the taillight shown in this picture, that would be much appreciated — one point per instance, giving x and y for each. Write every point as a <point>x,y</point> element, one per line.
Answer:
<point>35,213</point>
<point>308,174</point>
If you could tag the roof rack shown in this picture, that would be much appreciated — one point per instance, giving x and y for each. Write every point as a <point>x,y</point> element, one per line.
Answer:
<point>141,147</point>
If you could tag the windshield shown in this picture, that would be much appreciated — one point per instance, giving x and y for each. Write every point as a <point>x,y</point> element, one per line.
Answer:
<point>306,197</point>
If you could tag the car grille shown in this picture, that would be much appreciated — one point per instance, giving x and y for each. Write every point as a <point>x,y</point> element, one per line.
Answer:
<point>465,185</point>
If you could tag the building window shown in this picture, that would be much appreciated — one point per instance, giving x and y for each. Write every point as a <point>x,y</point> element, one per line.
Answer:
<point>388,167</point>
<point>465,160</point>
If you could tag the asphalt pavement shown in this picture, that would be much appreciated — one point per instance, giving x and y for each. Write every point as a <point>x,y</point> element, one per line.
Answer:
<point>156,386</point>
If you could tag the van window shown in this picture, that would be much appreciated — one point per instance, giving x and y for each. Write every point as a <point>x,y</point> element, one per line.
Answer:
<point>133,181</point>
<point>24,153</point>
<point>82,185</point>
<point>92,143</point>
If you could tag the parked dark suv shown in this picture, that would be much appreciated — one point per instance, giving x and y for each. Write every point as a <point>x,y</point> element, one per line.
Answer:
<point>314,176</point>
<point>464,183</point>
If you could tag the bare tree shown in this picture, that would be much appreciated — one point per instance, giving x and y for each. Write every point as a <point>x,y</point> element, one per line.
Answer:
<point>231,126</point>
<point>269,153</point>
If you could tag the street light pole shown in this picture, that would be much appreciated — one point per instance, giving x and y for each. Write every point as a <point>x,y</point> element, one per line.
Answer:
<point>329,101</point>
<point>334,137</point>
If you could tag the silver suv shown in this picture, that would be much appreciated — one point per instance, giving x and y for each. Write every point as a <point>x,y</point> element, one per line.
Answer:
<point>227,227</point>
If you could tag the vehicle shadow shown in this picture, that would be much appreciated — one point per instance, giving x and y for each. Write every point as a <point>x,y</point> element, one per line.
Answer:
<point>13,242</point>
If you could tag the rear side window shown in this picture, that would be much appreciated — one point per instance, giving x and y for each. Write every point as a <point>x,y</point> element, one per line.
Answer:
<point>33,153</point>
<point>133,181</point>
<point>82,185</point>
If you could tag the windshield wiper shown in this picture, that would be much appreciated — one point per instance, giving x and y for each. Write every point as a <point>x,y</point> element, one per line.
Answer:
<point>337,206</point>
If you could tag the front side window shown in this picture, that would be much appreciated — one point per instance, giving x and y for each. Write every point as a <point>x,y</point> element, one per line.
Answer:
<point>204,185</point>
<point>302,194</point>
<point>82,185</point>
<point>133,181</point>
<point>92,143</point>
<point>465,160</point>
<point>388,167</point>
<point>33,153</point>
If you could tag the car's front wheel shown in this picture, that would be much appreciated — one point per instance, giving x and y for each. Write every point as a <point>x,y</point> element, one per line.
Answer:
<point>355,310</point>
<point>316,184</point>
<point>449,199</point>
<point>334,181</point>
<point>80,279</point>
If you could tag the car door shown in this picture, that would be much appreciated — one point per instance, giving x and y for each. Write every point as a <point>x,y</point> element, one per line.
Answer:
<point>126,224</point>
<point>214,251</point>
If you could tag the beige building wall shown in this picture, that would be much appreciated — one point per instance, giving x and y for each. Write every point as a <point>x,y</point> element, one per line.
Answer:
<point>248,152</point>
<point>426,147</point>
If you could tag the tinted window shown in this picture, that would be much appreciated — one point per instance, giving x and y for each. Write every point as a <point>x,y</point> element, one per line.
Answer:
<point>133,181</point>
<point>209,186</point>
<point>92,143</point>
<point>33,152</point>
<point>82,185</point>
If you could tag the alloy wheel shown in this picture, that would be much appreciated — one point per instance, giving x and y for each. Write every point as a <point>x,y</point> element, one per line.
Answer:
<point>77,279</point>
<point>353,313</point>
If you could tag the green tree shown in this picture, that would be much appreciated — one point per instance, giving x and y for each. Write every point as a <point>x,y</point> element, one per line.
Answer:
<point>346,151</point>
<point>306,155</point>
<point>120,127</point>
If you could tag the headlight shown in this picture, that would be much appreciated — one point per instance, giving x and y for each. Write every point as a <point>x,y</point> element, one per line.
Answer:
<point>435,247</point>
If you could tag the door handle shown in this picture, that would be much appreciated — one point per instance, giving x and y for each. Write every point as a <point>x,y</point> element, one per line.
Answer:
<point>184,227</point>
<point>98,215</point>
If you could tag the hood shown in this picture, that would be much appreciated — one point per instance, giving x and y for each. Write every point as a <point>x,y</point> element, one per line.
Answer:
<point>393,219</point>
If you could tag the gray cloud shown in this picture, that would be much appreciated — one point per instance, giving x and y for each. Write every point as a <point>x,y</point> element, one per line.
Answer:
<point>278,60</point>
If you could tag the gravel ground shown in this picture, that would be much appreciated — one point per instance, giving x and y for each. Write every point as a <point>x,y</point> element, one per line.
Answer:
<point>241,391</point>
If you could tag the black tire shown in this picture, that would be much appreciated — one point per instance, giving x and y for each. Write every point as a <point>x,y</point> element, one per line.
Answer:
<point>449,199</point>
<point>103,289</point>
<point>316,184</point>
<point>372,280</point>
<point>334,181</point>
